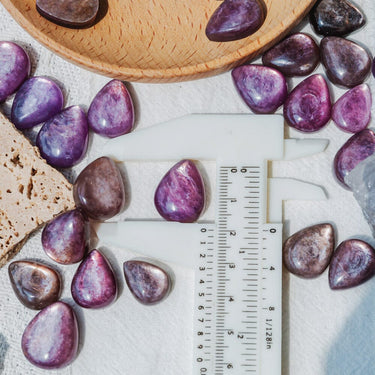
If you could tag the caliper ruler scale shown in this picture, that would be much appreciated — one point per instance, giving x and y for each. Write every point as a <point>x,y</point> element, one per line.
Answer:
<point>236,258</point>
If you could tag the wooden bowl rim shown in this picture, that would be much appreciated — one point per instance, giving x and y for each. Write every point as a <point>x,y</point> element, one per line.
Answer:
<point>167,74</point>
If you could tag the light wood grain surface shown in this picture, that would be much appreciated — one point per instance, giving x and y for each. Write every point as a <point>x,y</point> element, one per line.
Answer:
<point>156,41</point>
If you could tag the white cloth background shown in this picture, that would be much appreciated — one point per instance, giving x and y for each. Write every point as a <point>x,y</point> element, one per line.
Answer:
<point>324,332</point>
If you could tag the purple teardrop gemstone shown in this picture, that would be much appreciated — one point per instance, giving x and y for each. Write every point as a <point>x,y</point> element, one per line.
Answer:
<point>352,112</point>
<point>357,148</point>
<point>64,237</point>
<point>14,68</point>
<point>111,112</point>
<point>262,88</point>
<point>148,283</point>
<point>50,341</point>
<point>308,252</point>
<point>62,140</point>
<point>94,284</point>
<point>352,264</point>
<point>180,194</point>
<point>308,106</point>
<point>34,284</point>
<point>235,19</point>
<point>37,100</point>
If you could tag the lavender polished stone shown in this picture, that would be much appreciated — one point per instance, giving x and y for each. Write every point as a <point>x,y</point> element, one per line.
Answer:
<point>352,112</point>
<point>37,100</point>
<point>99,190</point>
<point>180,194</point>
<point>336,17</point>
<point>62,140</point>
<point>352,264</point>
<point>14,68</point>
<point>35,284</point>
<point>235,19</point>
<point>64,237</point>
<point>296,55</point>
<point>111,113</point>
<point>308,106</point>
<point>69,13</point>
<point>50,341</point>
<point>357,148</point>
<point>94,284</point>
<point>347,63</point>
<point>308,252</point>
<point>262,88</point>
<point>148,283</point>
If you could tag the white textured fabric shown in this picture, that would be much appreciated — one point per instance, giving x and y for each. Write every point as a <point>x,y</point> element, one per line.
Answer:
<point>324,332</point>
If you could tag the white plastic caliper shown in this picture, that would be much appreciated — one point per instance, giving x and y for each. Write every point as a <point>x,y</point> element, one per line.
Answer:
<point>238,257</point>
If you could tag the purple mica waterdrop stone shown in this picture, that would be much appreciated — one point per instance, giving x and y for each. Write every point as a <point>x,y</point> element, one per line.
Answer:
<point>336,17</point>
<point>148,283</point>
<point>35,284</point>
<point>62,140</point>
<point>180,195</point>
<point>357,148</point>
<point>347,63</point>
<point>64,237</point>
<point>296,55</point>
<point>352,112</point>
<point>50,341</point>
<point>111,112</point>
<point>352,264</point>
<point>94,284</point>
<point>262,88</point>
<point>308,106</point>
<point>37,100</point>
<point>14,68</point>
<point>99,189</point>
<point>308,252</point>
<point>235,19</point>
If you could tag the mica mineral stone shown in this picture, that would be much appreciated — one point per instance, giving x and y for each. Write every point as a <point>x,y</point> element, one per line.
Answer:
<point>35,284</point>
<point>296,55</point>
<point>352,264</point>
<point>308,252</point>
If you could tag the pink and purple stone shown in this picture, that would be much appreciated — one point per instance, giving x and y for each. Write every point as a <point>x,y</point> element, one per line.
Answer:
<point>148,283</point>
<point>50,341</point>
<point>64,237</point>
<point>352,264</point>
<point>94,284</point>
<point>180,195</point>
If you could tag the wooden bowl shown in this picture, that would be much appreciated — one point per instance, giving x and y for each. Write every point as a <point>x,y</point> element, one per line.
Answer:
<point>156,40</point>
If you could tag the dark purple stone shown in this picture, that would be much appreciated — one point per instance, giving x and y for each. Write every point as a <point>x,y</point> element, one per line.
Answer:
<point>296,55</point>
<point>336,17</point>
<point>99,189</point>
<point>308,252</point>
<point>62,140</point>
<point>34,284</point>
<point>180,194</point>
<point>69,13</point>
<point>14,68</point>
<point>111,113</point>
<point>352,112</point>
<point>50,341</point>
<point>262,88</point>
<point>64,237</point>
<point>308,106</point>
<point>352,264</point>
<point>235,19</point>
<point>37,100</point>
<point>357,148</point>
<point>148,283</point>
<point>94,284</point>
<point>347,64</point>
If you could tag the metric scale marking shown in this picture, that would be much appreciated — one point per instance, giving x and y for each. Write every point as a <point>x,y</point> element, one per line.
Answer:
<point>237,258</point>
